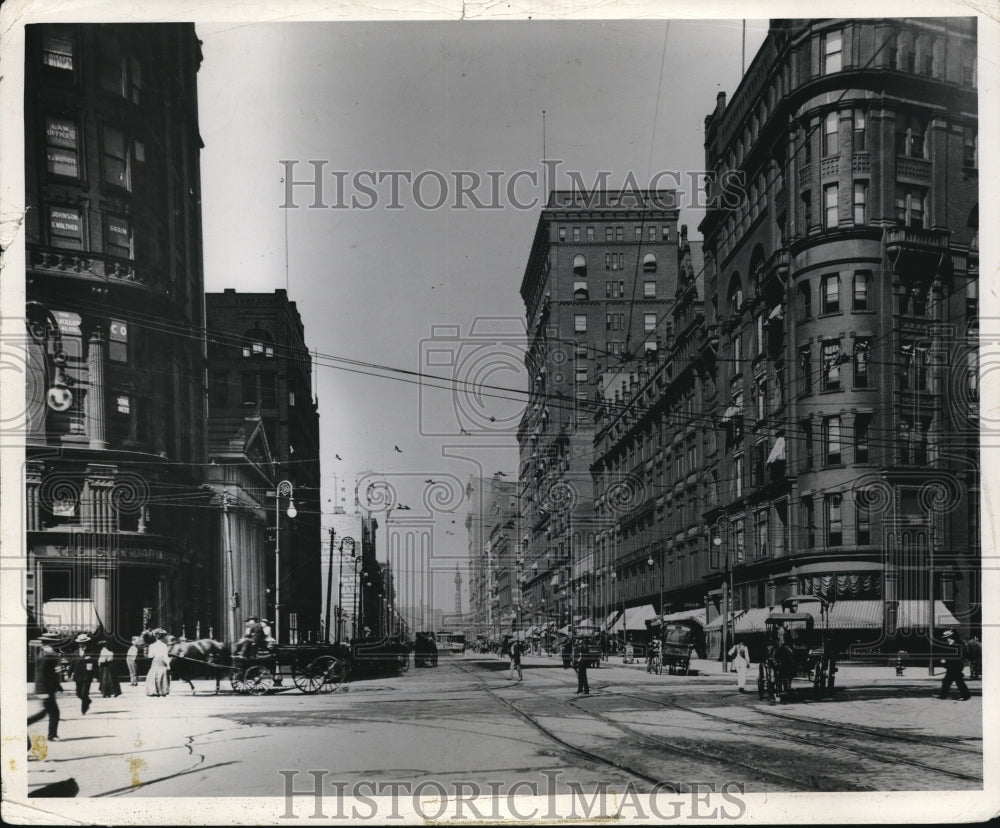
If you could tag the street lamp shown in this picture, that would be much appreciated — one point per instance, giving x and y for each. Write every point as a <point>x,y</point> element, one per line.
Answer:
<point>340,583</point>
<point>284,489</point>
<point>727,575</point>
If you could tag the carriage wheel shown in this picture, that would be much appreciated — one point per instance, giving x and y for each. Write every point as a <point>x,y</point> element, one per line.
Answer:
<point>239,681</point>
<point>333,670</point>
<point>259,680</point>
<point>310,680</point>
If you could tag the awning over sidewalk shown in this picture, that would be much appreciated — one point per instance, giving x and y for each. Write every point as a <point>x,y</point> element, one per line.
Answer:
<point>746,621</point>
<point>636,617</point>
<point>697,615</point>
<point>67,615</point>
<point>915,614</point>
<point>610,620</point>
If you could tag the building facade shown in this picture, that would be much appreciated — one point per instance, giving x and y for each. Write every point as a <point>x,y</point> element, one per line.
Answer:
<point>261,368</point>
<point>115,443</point>
<point>597,288</point>
<point>841,276</point>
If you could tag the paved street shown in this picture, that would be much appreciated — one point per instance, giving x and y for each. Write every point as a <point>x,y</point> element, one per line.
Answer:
<point>466,720</point>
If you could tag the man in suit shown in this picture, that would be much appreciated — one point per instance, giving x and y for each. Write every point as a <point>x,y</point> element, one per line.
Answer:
<point>83,669</point>
<point>581,662</point>
<point>47,684</point>
<point>953,666</point>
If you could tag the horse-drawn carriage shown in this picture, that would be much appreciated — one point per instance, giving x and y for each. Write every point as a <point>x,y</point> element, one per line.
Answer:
<point>672,643</point>
<point>797,647</point>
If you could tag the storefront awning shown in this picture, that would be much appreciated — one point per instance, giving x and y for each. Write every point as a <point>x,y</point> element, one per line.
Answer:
<point>915,614</point>
<point>697,615</point>
<point>613,623</point>
<point>563,630</point>
<point>745,621</point>
<point>67,615</point>
<point>777,451</point>
<point>636,617</point>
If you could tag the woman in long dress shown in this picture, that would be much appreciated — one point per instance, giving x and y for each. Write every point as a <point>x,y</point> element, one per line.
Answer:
<point>158,677</point>
<point>741,663</point>
<point>109,684</point>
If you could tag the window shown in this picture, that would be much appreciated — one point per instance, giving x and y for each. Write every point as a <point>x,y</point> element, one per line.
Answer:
<point>649,322</point>
<point>62,149</point>
<point>831,135</point>
<point>862,445</point>
<point>638,232</point>
<point>590,234</point>
<point>910,131</point>
<point>619,234</point>
<point>581,374</point>
<point>118,237</point>
<point>652,233</point>
<point>576,234</point>
<point>116,158</point>
<point>831,293</point>
<point>738,474</point>
<point>834,520</point>
<point>779,382</point>
<point>807,443</point>
<point>830,198</point>
<point>910,206</point>
<point>112,66</point>
<point>860,131</point>
<point>758,463</point>
<point>66,228</point>
<point>616,321</point>
<point>649,263</point>
<point>118,341</point>
<point>218,389</point>
<point>580,323</point>
<point>57,51</point>
<point>860,202</point>
<point>913,367</point>
<point>832,52</point>
<point>805,369</point>
<point>862,358</point>
<point>609,234</point>
<point>831,441</point>
<point>862,522</point>
<point>579,263</point>
<point>808,522</point>
<point>831,365</point>
<point>862,285</point>
<point>649,290</point>
<point>807,214</point>
<point>562,234</point>
<point>969,147</point>
<point>968,64</point>
<point>607,261</point>
<point>737,353</point>
<point>805,300</point>
<point>760,532</point>
<point>665,233</point>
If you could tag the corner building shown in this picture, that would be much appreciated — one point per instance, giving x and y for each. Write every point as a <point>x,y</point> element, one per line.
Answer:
<point>596,289</point>
<point>115,441</point>
<point>841,273</point>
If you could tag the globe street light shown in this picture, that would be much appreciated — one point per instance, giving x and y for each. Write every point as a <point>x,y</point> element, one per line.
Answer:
<point>284,489</point>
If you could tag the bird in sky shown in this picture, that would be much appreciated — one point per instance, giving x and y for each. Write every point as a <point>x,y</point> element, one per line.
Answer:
<point>466,433</point>
<point>428,480</point>
<point>338,457</point>
<point>493,419</point>
<point>397,448</point>
<point>448,532</point>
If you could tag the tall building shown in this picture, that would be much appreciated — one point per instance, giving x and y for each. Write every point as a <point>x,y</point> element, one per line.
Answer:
<point>261,368</point>
<point>494,555</point>
<point>597,288</point>
<point>115,438</point>
<point>841,287</point>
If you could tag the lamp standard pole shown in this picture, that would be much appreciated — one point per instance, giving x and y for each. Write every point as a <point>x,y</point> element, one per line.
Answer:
<point>329,586</point>
<point>284,489</point>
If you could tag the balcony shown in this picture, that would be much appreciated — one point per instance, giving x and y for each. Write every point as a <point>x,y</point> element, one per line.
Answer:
<point>917,169</point>
<point>915,250</point>
<point>90,267</point>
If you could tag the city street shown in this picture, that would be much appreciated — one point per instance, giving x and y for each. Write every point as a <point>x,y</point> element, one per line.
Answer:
<point>467,721</point>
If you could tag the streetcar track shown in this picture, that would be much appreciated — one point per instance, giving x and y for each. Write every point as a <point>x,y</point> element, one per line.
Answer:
<point>652,741</point>
<point>791,737</point>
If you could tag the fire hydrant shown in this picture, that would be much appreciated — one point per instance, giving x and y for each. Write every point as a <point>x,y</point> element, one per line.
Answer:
<point>899,662</point>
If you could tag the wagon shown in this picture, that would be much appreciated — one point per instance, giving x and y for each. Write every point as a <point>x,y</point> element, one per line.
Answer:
<point>797,648</point>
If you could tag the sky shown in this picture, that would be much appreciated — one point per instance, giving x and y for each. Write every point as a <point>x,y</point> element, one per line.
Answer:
<point>394,280</point>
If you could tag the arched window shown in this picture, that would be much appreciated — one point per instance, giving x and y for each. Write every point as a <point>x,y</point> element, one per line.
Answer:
<point>649,263</point>
<point>579,265</point>
<point>258,343</point>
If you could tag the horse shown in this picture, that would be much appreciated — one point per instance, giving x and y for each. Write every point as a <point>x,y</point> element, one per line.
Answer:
<point>199,659</point>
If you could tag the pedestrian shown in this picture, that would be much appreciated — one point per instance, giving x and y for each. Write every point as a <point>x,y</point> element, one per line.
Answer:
<point>515,660</point>
<point>953,666</point>
<point>567,654</point>
<point>740,656</point>
<point>109,684</point>
<point>158,677</point>
<point>82,670</point>
<point>130,656</point>
<point>47,685</point>
<point>580,662</point>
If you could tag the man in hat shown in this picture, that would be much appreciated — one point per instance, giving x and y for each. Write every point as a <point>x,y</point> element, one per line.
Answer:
<point>953,666</point>
<point>82,668</point>
<point>253,638</point>
<point>47,684</point>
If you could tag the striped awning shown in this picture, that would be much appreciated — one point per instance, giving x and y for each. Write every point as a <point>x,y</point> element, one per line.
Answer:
<point>697,615</point>
<point>635,617</point>
<point>746,621</point>
<point>915,614</point>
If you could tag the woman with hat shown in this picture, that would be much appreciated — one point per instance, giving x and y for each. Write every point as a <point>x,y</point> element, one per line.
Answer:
<point>82,669</point>
<point>158,677</point>
<point>109,684</point>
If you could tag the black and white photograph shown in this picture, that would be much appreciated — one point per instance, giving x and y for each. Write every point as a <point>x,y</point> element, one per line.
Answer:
<point>497,414</point>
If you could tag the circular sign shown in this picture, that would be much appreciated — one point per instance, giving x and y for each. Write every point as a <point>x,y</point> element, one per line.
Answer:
<point>60,398</point>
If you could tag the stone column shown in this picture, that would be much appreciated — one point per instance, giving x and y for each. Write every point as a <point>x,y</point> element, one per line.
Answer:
<point>96,409</point>
<point>100,593</point>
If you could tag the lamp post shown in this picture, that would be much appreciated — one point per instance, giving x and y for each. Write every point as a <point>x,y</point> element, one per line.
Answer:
<point>727,589</point>
<point>284,489</point>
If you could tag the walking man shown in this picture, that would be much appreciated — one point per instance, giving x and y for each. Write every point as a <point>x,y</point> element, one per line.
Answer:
<point>130,656</point>
<point>47,685</point>
<point>953,666</point>
<point>515,660</point>
<point>580,662</point>
<point>82,668</point>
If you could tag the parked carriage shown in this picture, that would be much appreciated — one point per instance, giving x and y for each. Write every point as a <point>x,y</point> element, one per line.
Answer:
<point>797,648</point>
<point>672,644</point>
